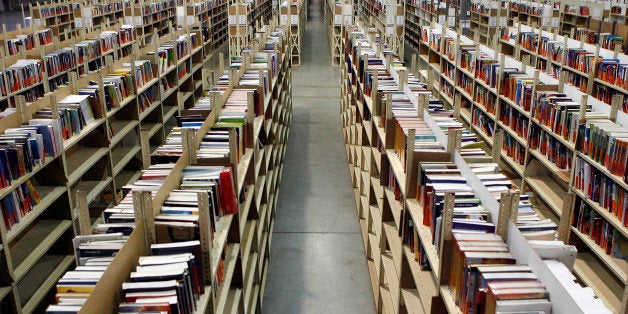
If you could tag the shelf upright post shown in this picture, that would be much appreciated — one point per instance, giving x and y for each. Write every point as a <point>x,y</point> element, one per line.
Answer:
<point>84,219</point>
<point>143,209</point>
<point>188,139</point>
<point>504,215</point>
<point>145,146</point>
<point>564,225</point>
<point>424,101</point>
<point>410,145</point>
<point>616,104</point>
<point>205,235</point>
<point>413,66</point>
<point>445,244</point>
<point>20,103</point>
<point>518,47</point>
<point>496,149</point>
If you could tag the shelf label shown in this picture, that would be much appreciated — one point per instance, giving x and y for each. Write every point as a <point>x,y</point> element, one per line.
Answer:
<point>242,19</point>
<point>89,22</point>
<point>337,19</point>
<point>554,22</point>
<point>390,31</point>
<point>294,19</point>
<point>545,21</point>
<point>191,20</point>
<point>442,19</point>
<point>597,13</point>
<point>128,20</point>
<point>503,21</point>
<point>283,19</point>
<point>348,19</point>
<point>347,9</point>
<point>78,22</point>
<point>492,21</point>
<point>400,20</point>
<point>37,22</point>
<point>87,12</point>
<point>452,21</point>
<point>495,5</point>
<point>452,11</point>
<point>233,20</point>
<point>139,21</point>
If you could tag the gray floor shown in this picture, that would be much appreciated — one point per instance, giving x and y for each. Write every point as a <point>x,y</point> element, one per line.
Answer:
<point>317,262</point>
<point>11,18</point>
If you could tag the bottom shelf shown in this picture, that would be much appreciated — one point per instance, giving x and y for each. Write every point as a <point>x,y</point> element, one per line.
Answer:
<point>34,287</point>
<point>606,287</point>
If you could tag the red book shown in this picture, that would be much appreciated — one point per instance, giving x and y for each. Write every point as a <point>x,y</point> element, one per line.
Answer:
<point>228,197</point>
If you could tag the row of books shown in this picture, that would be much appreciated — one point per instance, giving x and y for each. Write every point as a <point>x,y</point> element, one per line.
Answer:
<point>55,10</point>
<point>60,61</point>
<point>614,72</point>
<point>21,42</point>
<point>515,120</point>
<point>157,6</point>
<point>23,74</point>
<point>44,36</point>
<point>606,93</point>
<point>606,142</point>
<point>93,254</point>
<point>592,224</point>
<point>598,187</point>
<point>169,281</point>
<point>581,10</point>
<point>19,202</point>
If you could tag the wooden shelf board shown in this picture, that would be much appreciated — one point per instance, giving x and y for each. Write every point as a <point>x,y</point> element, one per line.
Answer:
<point>425,280</point>
<point>619,267</point>
<point>448,299</point>
<point>33,245</point>
<point>223,291</point>
<point>245,208</point>
<point>587,268</point>
<point>34,287</point>
<point>243,167</point>
<point>374,279</point>
<point>550,192</point>
<point>246,241</point>
<point>394,242</point>
<point>233,301</point>
<point>82,160</point>
<point>93,188</point>
<point>387,304</point>
<point>220,237</point>
<point>392,279</point>
<point>395,206</point>
<point>122,128</point>
<point>121,156</point>
<point>412,301</point>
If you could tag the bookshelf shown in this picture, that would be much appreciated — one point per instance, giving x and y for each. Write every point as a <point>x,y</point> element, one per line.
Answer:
<point>388,18</point>
<point>244,236</point>
<point>337,14</point>
<point>57,15</point>
<point>58,61</point>
<point>384,174</point>
<point>593,82</point>
<point>484,108</point>
<point>94,163</point>
<point>294,14</point>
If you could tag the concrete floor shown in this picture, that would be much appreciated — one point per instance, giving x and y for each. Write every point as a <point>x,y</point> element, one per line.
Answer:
<point>317,260</point>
